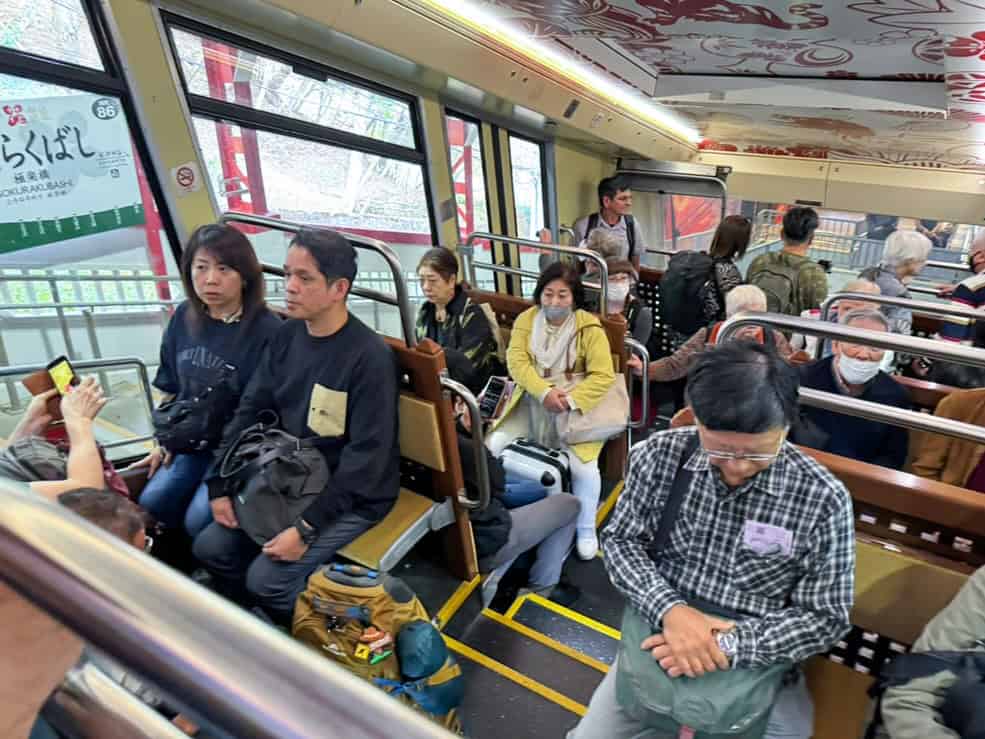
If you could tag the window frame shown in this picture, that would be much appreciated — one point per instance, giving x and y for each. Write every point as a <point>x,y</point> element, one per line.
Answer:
<point>453,113</point>
<point>221,111</point>
<point>110,81</point>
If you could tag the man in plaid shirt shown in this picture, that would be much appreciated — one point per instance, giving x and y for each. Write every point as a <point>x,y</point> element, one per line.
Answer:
<point>764,532</point>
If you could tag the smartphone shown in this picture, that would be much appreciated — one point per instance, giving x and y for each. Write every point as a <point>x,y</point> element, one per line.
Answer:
<point>62,374</point>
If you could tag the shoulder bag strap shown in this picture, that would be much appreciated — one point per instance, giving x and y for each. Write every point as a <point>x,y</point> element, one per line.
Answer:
<point>593,222</point>
<point>630,235</point>
<point>672,508</point>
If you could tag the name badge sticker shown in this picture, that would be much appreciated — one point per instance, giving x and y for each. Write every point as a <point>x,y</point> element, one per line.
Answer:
<point>765,539</point>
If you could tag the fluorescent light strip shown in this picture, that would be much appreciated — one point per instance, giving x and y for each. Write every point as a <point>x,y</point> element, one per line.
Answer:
<point>487,24</point>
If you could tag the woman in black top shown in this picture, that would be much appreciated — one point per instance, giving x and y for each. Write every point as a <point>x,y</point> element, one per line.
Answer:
<point>216,336</point>
<point>461,327</point>
<point>729,244</point>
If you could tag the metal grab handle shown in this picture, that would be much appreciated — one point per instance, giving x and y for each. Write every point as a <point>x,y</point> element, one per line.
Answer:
<point>920,307</point>
<point>210,657</point>
<point>892,415</point>
<point>468,263</point>
<point>562,229</point>
<point>90,703</point>
<point>478,446</point>
<point>400,300</point>
<point>95,364</point>
<point>637,348</point>
<point>880,339</point>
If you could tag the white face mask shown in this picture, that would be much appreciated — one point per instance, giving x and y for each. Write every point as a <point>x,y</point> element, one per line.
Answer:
<point>617,294</point>
<point>857,371</point>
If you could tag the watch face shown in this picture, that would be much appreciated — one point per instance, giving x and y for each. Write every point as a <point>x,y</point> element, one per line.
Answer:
<point>728,642</point>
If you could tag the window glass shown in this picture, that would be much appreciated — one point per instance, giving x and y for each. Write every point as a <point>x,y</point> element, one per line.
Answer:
<point>58,29</point>
<point>528,187</point>
<point>468,177</point>
<point>85,266</point>
<point>352,191</point>
<point>223,72</point>
<point>850,242</point>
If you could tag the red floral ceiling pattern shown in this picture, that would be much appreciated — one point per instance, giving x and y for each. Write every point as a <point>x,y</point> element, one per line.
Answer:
<point>917,41</point>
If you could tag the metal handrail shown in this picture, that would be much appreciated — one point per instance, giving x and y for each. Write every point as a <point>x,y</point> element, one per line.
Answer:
<point>957,266</point>
<point>665,252</point>
<point>89,304</point>
<point>89,278</point>
<point>399,300</point>
<point>89,703</point>
<point>920,307</point>
<point>892,415</point>
<point>947,351</point>
<point>637,348</point>
<point>467,250</point>
<point>478,446</point>
<point>562,229</point>
<point>211,658</point>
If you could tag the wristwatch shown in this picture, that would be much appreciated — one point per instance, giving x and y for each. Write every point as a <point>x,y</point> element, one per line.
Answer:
<point>728,642</point>
<point>308,532</point>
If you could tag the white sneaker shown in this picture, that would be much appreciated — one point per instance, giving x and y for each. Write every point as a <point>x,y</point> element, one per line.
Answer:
<point>587,545</point>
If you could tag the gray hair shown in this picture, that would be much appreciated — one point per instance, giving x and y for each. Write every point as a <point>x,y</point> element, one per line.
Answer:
<point>861,285</point>
<point>744,297</point>
<point>978,244</point>
<point>864,314</point>
<point>906,246</point>
<point>604,242</point>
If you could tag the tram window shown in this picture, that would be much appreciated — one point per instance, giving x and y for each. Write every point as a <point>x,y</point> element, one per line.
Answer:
<point>57,29</point>
<point>77,207</point>
<point>468,175</point>
<point>225,72</point>
<point>527,167</point>
<point>675,223</point>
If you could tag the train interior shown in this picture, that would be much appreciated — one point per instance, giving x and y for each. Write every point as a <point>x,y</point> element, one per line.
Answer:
<point>474,125</point>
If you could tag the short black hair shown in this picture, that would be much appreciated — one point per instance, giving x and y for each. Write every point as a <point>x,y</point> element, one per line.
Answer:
<point>107,510</point>
<point>609,187</point>
<point>743,386</point>
<point>799,225</point>
<point>335,256</point>
<point>567,273</point>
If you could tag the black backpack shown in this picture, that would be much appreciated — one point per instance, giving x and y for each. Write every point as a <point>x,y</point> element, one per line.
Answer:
<point>962,708</point>
<point>682,289</point>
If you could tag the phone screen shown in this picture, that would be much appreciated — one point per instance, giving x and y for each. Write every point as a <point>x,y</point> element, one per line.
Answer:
<point>62,375</point>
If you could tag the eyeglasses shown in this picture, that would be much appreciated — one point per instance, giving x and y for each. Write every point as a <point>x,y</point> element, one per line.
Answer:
<point>740,457</point>
<point>148,543</point>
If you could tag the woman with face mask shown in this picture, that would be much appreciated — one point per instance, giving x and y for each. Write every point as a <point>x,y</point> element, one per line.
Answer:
<point>853,370</point>
<point>622,300</point>
<point>549,341</point>
<point>905,255</point>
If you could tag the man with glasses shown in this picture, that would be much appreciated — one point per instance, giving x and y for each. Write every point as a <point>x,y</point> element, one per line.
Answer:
<point>757,567</point>
<point>855,370</point>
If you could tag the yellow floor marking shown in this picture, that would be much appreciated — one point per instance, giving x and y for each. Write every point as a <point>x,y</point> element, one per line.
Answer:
<point>609,503</point>
<point>574,616</point>
<point>546,640</point>
<point>520,679</point>
<point>451,606</point>
<point>517,605</point>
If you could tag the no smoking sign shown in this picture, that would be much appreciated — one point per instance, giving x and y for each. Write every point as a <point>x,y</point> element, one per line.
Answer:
<point>186,178</point>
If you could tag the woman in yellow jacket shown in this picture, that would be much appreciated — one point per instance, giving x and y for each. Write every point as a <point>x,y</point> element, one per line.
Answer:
<point>551,339</point>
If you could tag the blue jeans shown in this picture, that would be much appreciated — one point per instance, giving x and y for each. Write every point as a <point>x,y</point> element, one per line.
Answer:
<point>521,491</point>
<point>176,495</point>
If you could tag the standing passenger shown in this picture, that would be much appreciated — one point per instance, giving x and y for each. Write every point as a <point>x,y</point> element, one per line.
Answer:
<point>729,243</point>
<point>548,340</point>
<point>792,282</point>
<point>326,375</point>
<point>450,318</point>
<point>224,323</point>
<point>615,202</point>
<point>757,569</point>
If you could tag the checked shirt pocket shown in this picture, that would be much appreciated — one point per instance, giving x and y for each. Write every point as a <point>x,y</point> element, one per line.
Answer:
<point>769,575</point>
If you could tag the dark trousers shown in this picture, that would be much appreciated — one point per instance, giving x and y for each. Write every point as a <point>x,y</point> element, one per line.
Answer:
<point>243,573</point>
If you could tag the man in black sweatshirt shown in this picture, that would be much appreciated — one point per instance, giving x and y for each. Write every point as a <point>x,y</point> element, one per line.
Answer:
<point>328,375</point>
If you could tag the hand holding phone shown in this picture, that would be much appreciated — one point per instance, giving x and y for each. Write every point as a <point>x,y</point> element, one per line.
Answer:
<point>62,374</point>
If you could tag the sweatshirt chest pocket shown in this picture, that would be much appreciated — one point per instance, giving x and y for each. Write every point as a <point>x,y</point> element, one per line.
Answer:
<point>326,411</point>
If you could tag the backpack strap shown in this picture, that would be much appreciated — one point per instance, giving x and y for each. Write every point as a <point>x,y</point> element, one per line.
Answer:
<point>672,508</point>
<point>593,223</point>
<point>630,235</point>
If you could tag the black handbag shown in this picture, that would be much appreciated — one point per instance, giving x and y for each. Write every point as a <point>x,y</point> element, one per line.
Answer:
<point>272,477</point>
<point>195,424</point>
